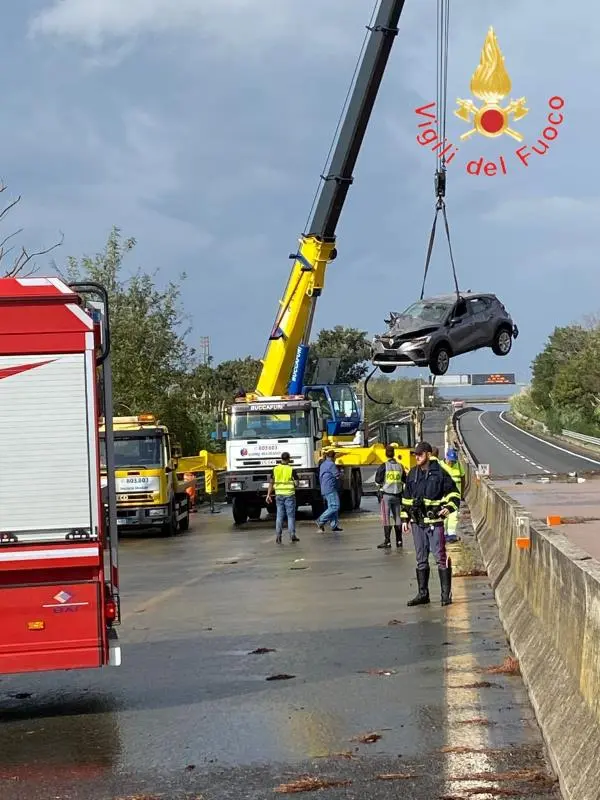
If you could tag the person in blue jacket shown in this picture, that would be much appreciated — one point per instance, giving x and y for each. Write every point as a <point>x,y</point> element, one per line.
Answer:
<point>330,477</point>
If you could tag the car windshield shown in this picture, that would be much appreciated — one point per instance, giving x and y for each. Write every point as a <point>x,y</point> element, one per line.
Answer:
<point>428,311</point>
<point>256,425</point>
<point>134,451</point>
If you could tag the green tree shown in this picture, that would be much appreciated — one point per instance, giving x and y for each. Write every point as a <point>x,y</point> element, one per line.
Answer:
<point>577,387</point>
<point>563,344</point>
<point>350,345</point>
<point>151,359</point>
<point>403,393</point>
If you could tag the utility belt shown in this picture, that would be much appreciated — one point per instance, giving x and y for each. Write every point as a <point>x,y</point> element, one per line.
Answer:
<point>423,512</point>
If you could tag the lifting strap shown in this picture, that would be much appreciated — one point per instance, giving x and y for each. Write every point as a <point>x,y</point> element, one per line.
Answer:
<point>443,19</point>
<point>440,206</point>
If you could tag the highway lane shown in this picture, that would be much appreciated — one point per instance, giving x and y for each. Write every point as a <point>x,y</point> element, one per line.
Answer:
<point>190,715</point>
<point>510,451</point>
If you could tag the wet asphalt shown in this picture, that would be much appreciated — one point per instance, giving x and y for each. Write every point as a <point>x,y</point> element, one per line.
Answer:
<point>191,714</point>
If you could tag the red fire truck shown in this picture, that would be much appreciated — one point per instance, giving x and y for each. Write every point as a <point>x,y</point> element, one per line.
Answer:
<point>59,597</point>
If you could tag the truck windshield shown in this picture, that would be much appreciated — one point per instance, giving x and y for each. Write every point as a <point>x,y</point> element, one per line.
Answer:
<point>134,452</point>
<point>254,425</point>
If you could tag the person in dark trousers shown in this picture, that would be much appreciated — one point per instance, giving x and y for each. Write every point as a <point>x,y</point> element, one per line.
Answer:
<point>284,481</point>
<point>329,478</point>
<point>429,496</point>
<point>389,480</point>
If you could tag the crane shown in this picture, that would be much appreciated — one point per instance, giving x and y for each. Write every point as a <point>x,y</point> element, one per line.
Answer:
<point>283,413</point>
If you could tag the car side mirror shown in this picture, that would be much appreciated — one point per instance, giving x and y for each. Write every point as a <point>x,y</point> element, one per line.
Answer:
<point>453,321</point>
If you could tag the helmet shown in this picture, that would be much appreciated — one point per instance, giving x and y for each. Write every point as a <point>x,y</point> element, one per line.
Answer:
<point>452,455</point>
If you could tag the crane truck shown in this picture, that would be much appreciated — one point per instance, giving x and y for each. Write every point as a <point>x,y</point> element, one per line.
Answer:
<point>284,413</point>
<point>59,577</point>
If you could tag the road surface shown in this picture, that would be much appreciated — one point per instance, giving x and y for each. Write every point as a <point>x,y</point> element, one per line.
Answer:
<point>510,451</point>
<point>190,714</point>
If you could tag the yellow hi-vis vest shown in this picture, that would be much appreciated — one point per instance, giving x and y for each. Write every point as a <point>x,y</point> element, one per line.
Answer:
<point>283,482</point>
<point>455,471</point>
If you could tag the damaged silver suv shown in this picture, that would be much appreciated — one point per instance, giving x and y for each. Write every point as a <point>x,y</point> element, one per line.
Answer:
<point>433,330</point>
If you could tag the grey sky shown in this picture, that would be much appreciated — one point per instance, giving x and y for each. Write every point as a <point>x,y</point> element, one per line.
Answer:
<point>200,127</point>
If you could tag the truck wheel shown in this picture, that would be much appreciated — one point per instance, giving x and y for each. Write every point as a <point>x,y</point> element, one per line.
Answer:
<point>184,524</point>
<point>240,510</point>
<point>170,528</point>
<point>254,513</point>
<point>346,500</point>
<point>317,507</point>
<point>357,490</point>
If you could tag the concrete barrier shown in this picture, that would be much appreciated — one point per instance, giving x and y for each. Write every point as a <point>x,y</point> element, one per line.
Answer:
<point>549,601</point>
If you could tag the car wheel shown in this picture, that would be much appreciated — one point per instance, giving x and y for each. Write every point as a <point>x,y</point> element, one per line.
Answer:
<point>387,369</point>
<point>440,360</point>
<point>502,343</point>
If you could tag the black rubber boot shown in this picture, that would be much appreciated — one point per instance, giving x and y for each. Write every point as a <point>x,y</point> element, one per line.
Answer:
<point>422,597</point>
<point>446,585</point>
<point>387,530</point>
<point>398,532</point>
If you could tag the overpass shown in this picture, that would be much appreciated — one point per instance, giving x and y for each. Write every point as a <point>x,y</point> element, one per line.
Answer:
<point>468,381</point>
<point>480,401</point>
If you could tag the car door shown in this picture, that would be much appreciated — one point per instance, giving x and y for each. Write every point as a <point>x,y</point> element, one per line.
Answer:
<point>483,321</point>
<point>461,330</point>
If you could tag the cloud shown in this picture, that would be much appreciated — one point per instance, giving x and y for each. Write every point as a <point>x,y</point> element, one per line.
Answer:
<point>245,24</point>
<point>546,211</point>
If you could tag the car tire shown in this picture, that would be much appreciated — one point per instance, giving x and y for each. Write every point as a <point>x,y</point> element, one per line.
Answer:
<point>439,361</point>
<point>502,343</point>
<point>387,369</point>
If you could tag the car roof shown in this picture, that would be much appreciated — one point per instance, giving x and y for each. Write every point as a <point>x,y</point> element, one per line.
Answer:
<point>451,298</point>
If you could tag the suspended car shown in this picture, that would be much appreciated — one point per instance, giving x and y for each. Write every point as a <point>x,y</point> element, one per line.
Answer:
<point>433,330</point>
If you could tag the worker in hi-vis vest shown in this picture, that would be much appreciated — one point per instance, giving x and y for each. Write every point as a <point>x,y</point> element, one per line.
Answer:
<point>389,480</point>
<point>283,483</point>
<point>456,471</point>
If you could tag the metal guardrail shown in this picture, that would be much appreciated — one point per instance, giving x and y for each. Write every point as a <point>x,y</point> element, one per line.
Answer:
<point>577,437</point>
<point>581,437</point>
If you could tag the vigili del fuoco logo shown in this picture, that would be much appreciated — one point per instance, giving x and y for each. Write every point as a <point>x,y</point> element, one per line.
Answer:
<point>493,118</point>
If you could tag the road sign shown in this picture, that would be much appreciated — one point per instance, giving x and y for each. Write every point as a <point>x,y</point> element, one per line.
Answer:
<point>452,380</point>
<point>483,470</point>
<point>493,379</point>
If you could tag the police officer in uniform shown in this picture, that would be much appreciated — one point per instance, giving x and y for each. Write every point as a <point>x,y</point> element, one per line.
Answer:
<point>389,480</point>
<point>429,497</point>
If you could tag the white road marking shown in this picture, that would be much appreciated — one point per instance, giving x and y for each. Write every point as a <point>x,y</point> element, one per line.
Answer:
<point>548,444</point>
<point>508,447</point>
